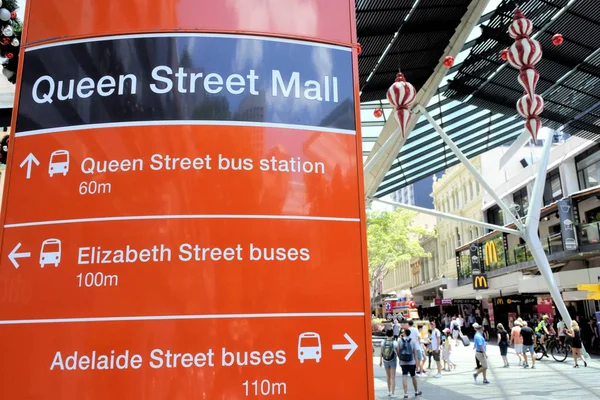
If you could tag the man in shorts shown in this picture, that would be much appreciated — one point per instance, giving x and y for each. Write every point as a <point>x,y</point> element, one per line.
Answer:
<point>436,346</point>
<point>516,339</point>
<point>529,339</point>
<point>409,367</point>
<point>480,353</point>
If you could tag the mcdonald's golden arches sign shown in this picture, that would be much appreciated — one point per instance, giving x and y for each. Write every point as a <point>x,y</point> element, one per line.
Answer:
<point>480,282</point>
<point>491,253</point>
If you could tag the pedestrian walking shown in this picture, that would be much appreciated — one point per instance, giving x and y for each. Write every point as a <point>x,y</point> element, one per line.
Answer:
<point>446,350</point>
<point>416,342</point>
<point>388,360</point>
<point>436,345</point>
<point>480,353</point>
<point>575,334</point>
<point>503,343</point>
<point>408,362</point>
<point>396,328</point>
<point>529,339</point>
<point>516,339</point>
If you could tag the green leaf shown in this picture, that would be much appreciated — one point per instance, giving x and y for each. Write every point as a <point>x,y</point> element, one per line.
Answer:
<point>392,237</point>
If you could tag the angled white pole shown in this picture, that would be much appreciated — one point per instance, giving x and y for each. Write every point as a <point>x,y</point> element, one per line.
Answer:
<point>532,237</point>
<point>381,151</point>
<point>449,216</point>
<point>465,161</point>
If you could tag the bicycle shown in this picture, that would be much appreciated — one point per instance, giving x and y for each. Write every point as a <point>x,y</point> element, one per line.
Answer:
<point>552,346</point>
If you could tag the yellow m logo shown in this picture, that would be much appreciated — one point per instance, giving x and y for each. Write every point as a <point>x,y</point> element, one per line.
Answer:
<point>480,282</point>
<point>500,301</point>
<point>491,253</point>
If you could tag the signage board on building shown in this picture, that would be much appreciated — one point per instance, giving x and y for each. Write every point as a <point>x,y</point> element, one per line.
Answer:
<point>475,258</point>
<point>491,253</point>
<point>515,300</point>
<point>480,282</point>
<point>567,224</point>
<point>163,186</point>
<point>466,301</point>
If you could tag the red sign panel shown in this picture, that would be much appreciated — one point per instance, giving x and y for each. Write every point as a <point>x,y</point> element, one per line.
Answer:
<point>180,211</point>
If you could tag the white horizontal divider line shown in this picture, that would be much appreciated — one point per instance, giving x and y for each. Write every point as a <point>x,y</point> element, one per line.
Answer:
<point>183,122</point>
<point>177,317</point>
<point>34,46</point>
<point>185,216</point>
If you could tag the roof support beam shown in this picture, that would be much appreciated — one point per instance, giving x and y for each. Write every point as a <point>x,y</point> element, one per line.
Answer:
<point>379,168</point>
<point>449,216</point>
<point>508,214</point>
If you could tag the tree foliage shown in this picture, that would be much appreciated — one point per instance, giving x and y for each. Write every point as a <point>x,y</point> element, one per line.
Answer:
<point>393,237</point>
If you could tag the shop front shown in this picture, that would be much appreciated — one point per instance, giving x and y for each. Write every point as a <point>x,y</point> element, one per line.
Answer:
<point>508,308</point>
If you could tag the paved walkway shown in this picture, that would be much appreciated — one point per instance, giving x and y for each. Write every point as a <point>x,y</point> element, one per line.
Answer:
<point>550,380</point>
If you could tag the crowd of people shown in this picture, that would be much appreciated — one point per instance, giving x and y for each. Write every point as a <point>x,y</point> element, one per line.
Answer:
<point>413,348</point>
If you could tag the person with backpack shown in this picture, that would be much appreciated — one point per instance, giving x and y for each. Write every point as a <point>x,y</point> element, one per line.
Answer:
<point>408,362</point>
<point>389,353</point>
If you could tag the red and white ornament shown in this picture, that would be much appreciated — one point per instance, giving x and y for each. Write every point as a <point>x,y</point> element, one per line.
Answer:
<point>533,126</point>
<point>521,26</point>
<point>528,78</point>
<point>448,61</point>
<point>557,39</point>
<point>401,95</point>
<point>530,106</point>
<point>525,53</point>
<point>378,113</point>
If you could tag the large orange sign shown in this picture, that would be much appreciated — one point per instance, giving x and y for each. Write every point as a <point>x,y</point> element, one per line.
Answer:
<point>183,210</point>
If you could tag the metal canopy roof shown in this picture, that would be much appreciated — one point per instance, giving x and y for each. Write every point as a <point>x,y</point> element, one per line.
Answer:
<point>476,104</point>
<point>569,74</point>
<point>406,34</point>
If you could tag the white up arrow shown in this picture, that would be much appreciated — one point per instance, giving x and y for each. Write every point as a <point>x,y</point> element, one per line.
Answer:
<point>351,346</point>
<point>14,255</point>
<point>30,159</point>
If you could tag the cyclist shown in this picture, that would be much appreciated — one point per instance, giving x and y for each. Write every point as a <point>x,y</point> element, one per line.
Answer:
<point>542,330</point>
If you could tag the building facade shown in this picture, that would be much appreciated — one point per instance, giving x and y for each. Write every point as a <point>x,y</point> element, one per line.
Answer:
<point>569,231</point>
<point>458,193</point>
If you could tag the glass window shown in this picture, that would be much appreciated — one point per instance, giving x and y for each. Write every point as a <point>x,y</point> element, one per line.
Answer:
<point>588,168</point>
<point>521,198</point>
<point>553,188</point>
<point>494,216</point>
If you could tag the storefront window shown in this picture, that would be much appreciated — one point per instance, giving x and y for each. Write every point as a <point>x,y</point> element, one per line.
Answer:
<point>553,188</point>
<point>588,169</point>
<point>521,198</point>
<point>494,216</point>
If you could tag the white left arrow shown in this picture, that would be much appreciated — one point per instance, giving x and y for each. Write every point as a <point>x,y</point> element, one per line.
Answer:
<point>351,346</point>
<point>30,159</point>
<point>14,255</point>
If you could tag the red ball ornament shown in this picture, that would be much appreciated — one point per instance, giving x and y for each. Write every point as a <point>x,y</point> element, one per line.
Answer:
<point>13,15</point>
<point>9,55</point>
<point>449,61</point>
<point>5,41</point>
<point>504,54</point>
<point>412,304</point>
<point>378,113</point>
<point>358,49</point>
<point>557,39</point>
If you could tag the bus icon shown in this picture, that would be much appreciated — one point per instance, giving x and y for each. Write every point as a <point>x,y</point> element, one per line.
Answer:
<point>59,163</point>
<point>309,347</point>
<point>50,253</point>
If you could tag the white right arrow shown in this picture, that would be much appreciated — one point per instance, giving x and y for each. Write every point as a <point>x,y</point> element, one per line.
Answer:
<point>14,255</point>
<point>352,346</point>
<point>30,159</point>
